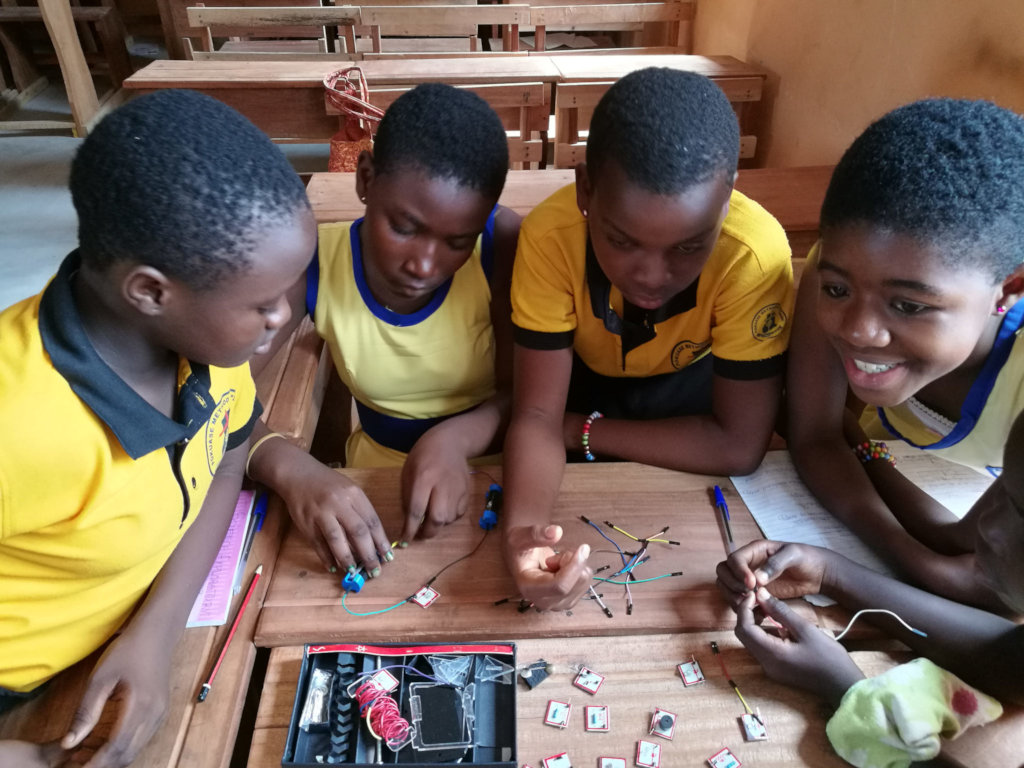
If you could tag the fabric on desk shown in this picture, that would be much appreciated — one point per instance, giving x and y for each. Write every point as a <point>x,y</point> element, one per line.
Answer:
<point>898,717</point>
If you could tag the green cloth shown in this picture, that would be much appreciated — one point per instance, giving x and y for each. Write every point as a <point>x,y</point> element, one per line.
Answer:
<point>897,718</point>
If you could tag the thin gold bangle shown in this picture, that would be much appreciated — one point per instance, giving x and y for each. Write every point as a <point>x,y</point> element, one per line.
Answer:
<point>255,447</point>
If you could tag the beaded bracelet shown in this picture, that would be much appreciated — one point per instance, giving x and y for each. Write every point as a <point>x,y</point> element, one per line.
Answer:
<point>586,433</point>
<point>874,449</point>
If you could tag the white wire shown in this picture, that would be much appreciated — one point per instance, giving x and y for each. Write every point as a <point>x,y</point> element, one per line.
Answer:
<point>858,614</point>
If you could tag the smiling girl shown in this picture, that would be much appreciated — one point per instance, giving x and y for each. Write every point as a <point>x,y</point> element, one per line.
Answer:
<point>911,305</point>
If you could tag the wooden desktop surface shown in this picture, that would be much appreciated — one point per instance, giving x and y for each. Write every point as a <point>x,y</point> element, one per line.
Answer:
<point>167,73</point>
<point>641,675</point>
<point>303,604</point>
<point>583,68</point>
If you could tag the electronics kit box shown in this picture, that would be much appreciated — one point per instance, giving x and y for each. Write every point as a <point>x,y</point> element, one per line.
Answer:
<point>459,699</point>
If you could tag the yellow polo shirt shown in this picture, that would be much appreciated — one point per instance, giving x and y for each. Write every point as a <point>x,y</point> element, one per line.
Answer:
<point>96,486</point>
<point>737,310</point>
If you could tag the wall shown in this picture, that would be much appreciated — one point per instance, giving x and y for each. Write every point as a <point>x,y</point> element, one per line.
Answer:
<point>836,66</point>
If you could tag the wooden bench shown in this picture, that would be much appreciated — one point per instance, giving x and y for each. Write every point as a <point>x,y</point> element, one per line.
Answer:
<point>584,81</point>
<point>87,107</point>
<point>430,26</point>
<point>675,15</point>
<point>791,195</point>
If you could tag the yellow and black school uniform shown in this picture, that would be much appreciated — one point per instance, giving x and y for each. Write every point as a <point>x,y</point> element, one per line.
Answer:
<point>635,363</point>
<point>995,399</point>
<point>96,486</point>
<point>406,372</point>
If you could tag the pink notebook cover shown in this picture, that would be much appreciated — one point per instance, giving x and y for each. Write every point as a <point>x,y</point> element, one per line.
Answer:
<point>214,600</point>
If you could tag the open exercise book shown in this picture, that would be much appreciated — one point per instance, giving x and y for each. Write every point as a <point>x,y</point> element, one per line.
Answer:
<point>214,600</point>
<point>786,511</point>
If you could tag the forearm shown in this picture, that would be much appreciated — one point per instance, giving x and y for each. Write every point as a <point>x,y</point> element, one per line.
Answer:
<point>477,432</point>
<point>924,518</point>
<point>700,444</point>
<point>164,611</point>
<point>533,468</point>
<point>982,648</point>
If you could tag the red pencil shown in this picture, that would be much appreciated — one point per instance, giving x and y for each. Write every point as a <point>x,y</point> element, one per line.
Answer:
<point>205,690</point>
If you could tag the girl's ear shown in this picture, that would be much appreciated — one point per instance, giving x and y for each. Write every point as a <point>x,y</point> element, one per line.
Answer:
<point>147,289</point>
<point>364,174</point>
<point>1011,291</point>
<point>583,190</point>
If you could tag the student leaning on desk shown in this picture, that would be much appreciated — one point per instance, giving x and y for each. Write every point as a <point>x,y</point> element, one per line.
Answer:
<point>651,293</point>
<point>126,406</point>
<point>912,303</point>
<point>896,718</point>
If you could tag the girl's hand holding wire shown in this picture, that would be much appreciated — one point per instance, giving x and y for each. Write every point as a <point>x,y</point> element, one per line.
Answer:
<point>552,581</point>
<point>787,570</point>
<point>807,658</point>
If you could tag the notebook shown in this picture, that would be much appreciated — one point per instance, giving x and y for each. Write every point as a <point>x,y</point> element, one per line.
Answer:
<point>214,599</point>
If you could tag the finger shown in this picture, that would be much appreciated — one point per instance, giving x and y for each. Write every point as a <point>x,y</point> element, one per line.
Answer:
<point>545,535</point>
<point>88,712</point>
<point>332,537</point>
<point>130,735</point>
<point>322,551</point>
<point>366,535</point>
<point>728,579</point>
<point>573,576</point>
<point>783,614</point>
<point>415,510</point>
<point>778,562</point>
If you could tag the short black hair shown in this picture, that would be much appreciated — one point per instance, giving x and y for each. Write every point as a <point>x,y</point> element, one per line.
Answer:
<point>946,172</point>
<point>181,182</point>
<point>445,132</point>
<point>667,130</point>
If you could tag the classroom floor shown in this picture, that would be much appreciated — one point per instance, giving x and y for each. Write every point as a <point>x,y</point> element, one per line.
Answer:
<point>37,221</point>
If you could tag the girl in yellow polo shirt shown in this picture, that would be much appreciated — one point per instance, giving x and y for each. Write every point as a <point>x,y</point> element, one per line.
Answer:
<point>911,304</point>
<point>412,300</point>
<point>650,295</point>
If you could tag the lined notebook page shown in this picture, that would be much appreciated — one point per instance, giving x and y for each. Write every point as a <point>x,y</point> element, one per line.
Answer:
<point>214,599</point>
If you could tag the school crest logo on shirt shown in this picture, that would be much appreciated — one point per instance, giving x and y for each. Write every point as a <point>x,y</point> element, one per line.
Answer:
<point>218,427</point>
<point>685,352</point>
<point>768,322</point>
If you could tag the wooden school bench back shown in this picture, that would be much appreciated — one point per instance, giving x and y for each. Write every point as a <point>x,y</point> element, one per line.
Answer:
<point>450,25</point>
<point>667,22</point>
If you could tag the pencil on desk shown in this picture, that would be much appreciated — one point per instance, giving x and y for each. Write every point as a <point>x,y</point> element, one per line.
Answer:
<point>205,690</point>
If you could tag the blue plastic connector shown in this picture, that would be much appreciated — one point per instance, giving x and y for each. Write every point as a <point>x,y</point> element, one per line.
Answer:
<point>489,519</point>
<point>353,582</point>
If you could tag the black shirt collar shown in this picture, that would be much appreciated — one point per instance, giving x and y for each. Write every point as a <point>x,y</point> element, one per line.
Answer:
<point>637,325</point>
<point>138,426</point>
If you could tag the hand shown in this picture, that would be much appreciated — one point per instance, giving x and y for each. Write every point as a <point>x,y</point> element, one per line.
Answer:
<point>335,515</point>
<point>788,570</point>
<point>572,431</point>
<point>807,658</point>
<point>550,580</point>
<point>26,755</point>
<point>135,675</point>
<point>435,487</point>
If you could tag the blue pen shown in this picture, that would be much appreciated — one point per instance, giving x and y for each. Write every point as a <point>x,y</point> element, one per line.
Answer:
<point>260,510</point>
<point>724,509</point>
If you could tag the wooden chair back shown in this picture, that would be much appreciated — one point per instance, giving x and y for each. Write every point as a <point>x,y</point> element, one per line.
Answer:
<point>666,25</point>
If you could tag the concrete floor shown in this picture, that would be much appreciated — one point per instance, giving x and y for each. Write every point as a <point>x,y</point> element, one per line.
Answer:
<point>38,226</point>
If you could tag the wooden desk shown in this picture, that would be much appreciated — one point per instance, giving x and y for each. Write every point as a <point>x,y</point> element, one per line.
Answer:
<point>286,98</point>
<point>792,195</point>
<point>640,675</point>
<point>304,601</point>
